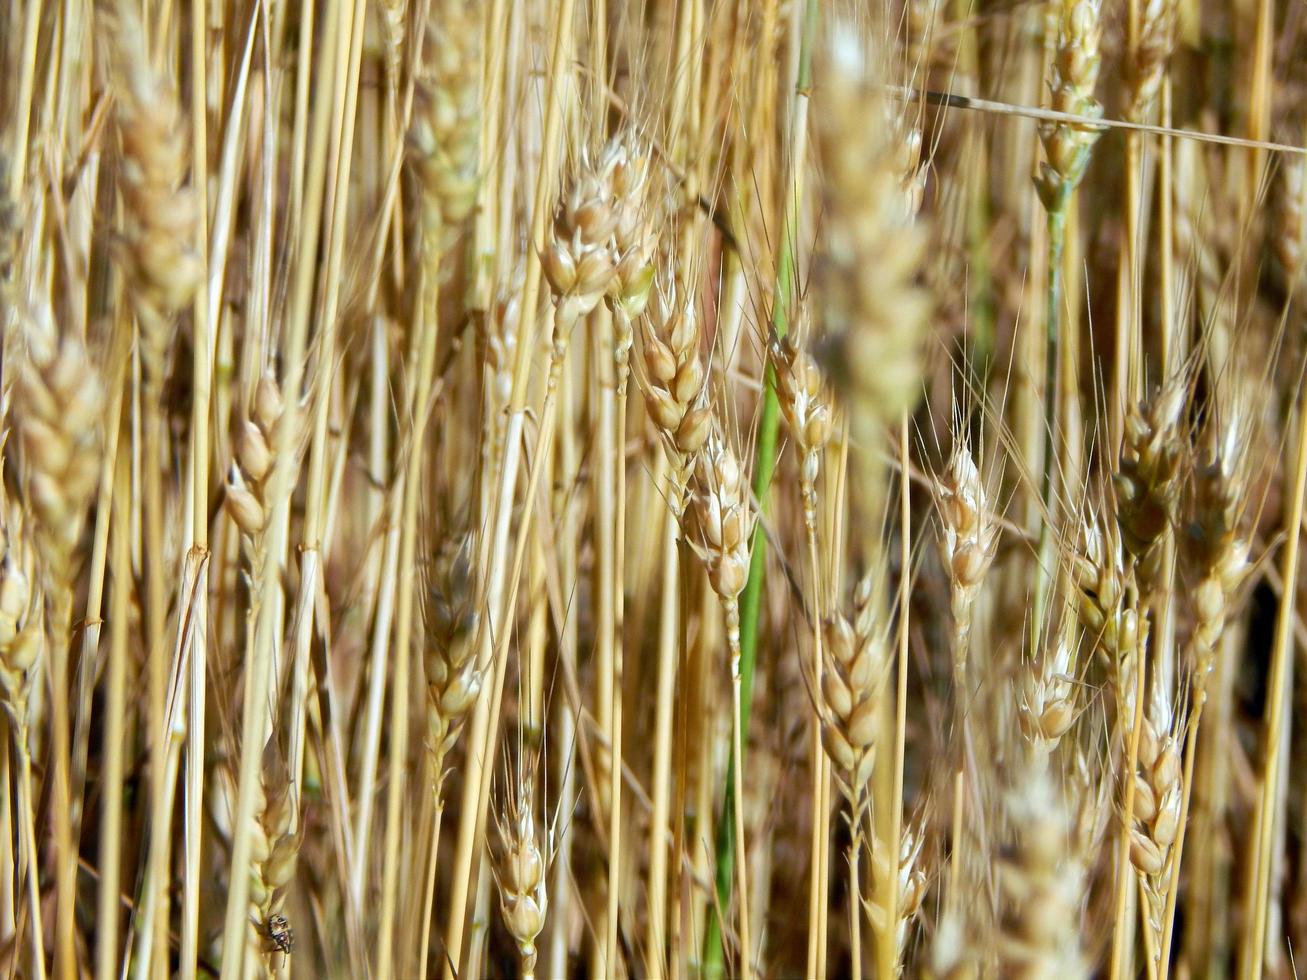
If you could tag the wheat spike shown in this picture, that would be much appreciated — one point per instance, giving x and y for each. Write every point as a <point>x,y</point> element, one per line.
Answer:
<point>852,688</point>
<point>674,376</point>
<point>20,620</point>
<point>453,675</point>
<point>580,260</point>
<point>912,885</point>
<point>1289,222</point>
<point>1107,602</point>
<point>443,136</point>
<point>723,520</point>
<point>161,211</point>
<point>634,241</point>
<point>1144,71</point>
<point>968,541</point>
<point>1073,76</point>
<point>57,405</point>
<point>274,848</point>
<point>520,872</point>
<point>1157,798</point>
<point>805,403</point>
<point>1040,883</point>
<point>1148,475</point>
<point>873,313</point>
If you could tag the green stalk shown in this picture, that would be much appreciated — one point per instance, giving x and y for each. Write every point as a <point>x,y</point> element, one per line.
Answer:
<point>764,465</point>
<point>750,604</point>
<point>1052,326</point>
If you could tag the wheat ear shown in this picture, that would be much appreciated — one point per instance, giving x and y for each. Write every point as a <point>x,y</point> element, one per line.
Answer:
<point>57,402</point>
<point>1040,885</point>
<point>520,872</point>
<point>21,650</point>
<point>453,679</point>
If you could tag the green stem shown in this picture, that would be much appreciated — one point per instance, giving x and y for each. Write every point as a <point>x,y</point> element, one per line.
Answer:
<point>1052,326</point>
<point>750,604</point>
<point>763,467</point>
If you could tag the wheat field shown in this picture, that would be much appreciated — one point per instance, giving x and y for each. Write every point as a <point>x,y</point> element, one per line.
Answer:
<point>671,489</point>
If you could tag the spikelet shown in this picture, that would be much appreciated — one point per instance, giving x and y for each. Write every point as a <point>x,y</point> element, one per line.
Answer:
<point>453,675</point>
<point>1041,886</point>
<point>520,873</point>
<point>1147,479</point>
<point>1073,75</point>
<point>444,132</point>
<point>967,543</point>
<point>1046,706</point>
<point>246,499</point>
<point>874,315</point>
<point>805,404</point>
<point>161,212</point>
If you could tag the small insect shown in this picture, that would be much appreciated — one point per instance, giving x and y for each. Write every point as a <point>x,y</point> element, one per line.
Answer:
<point>279,932</point>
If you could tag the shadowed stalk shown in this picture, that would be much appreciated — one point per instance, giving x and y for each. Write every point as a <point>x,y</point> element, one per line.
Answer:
<point>1277,700</point>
